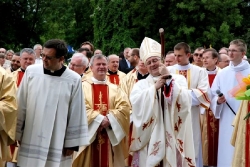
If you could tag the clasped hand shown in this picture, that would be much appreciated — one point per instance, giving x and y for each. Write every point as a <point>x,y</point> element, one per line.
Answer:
<point>163,73</point>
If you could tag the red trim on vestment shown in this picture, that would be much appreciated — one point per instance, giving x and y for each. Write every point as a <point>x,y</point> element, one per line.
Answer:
<point>19,77</point>
<point>114,79</point>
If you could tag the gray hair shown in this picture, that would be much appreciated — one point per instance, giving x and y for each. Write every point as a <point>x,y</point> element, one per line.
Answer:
<point>98,56</point>
<point>10,51</point>
<point>36,45</point>
<point>112,55</point>
<point>28,50</point>
<point>84,59</point>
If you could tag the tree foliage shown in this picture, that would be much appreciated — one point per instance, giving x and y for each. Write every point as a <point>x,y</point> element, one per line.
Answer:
<point>116,24</point>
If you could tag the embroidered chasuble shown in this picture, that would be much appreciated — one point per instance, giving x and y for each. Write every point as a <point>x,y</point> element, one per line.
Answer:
<point>17,76</point>
<point>210,131</point>
<point>241,136</point>
<point>126,85</point>
<point>107,146</point>
<point>115,77</point>
<point>197,80</point>
<point>51,117</point>
<point>8,114</point>
<point>162,139</point>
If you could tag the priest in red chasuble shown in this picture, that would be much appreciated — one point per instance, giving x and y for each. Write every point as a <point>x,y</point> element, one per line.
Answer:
<point>210,125</point>
<point>114,75</point>
<point>108,120</point>
<point>27,57</point>
<point>161,111</point>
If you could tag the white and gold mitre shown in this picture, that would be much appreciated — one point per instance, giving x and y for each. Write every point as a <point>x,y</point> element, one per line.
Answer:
<point>149,48</point>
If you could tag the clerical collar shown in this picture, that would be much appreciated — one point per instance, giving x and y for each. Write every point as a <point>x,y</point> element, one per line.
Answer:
<point>212,71</point>
<point>184,67</point>
<point>140,76</point>
<point>97,81</point>
<point>112,73</point>
<point>22,70</point>
<point>86,69</point>
<point>57,73</point>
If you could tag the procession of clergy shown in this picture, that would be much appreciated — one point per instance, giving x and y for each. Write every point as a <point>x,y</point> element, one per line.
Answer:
<point>156,113</point>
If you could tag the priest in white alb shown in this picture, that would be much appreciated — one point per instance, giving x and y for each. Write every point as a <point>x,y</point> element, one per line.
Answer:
<point>197,79</point>
<point>228,81</point>
<point>162,129</point>
<point>52,121</point>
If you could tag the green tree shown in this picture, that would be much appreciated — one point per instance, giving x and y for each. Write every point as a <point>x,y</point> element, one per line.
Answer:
<point>111,27</point>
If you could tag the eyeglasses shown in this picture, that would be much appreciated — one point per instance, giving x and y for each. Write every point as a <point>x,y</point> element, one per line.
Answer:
<point>2,51</point>
<point>197,54</point>
<point>233,51</point>
<point>48,57</point>
<point>74,65</point>
<point>152,61</point>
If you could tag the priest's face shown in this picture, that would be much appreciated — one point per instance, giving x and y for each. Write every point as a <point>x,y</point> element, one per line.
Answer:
<point>235,54</point>
<point>50,61</point>
<point>152,65</point>
<point>113,63</point>
<point>197,56</point>
<point>142,66</point>
<point>99,68</point>
<point>27,60</point>
<point>15,62</point>
<point>208,61</point>
<point>77,65</point>
<point>181,57</point>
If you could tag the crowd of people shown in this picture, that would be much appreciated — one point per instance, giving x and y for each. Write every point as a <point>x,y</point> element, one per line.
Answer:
<point>139,109</point>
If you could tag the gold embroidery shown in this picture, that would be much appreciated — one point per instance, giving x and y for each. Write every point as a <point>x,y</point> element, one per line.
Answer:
<point>102,108</point>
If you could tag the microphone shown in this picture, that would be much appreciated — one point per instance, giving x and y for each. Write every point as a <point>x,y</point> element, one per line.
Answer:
<point>218,92</point>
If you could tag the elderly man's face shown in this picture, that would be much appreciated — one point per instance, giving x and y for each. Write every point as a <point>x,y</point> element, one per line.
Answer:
<point>77,65</point>
<point>113,64</point>
<point>152,65</point>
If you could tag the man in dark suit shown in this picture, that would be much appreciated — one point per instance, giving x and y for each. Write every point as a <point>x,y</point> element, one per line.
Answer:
<point>124,64</point>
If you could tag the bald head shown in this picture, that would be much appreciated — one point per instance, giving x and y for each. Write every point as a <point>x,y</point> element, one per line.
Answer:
<point>2,50</point>
<point>170,59</point>
<point>113,62</point>
<point>223,61</point>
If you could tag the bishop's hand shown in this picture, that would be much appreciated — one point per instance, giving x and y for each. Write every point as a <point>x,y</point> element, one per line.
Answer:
<point>163,69</point>
<point>161,81</point>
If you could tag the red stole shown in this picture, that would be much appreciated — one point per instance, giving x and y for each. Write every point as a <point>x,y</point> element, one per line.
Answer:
<point>211,79</point>
<point>114,79</point>
<point>212,132</point>
<point>247,144</point>
<point>19,77</point>
<point>101,145</point>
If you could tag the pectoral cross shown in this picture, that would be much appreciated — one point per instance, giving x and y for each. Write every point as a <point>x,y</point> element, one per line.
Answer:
<point>114,81</point>
<point>101,107</point>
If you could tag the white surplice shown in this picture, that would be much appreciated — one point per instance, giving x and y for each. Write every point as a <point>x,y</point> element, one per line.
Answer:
<point>225,81</point>
<point>198,85</point>
<point>51,116</point>
<point>160,137</point>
